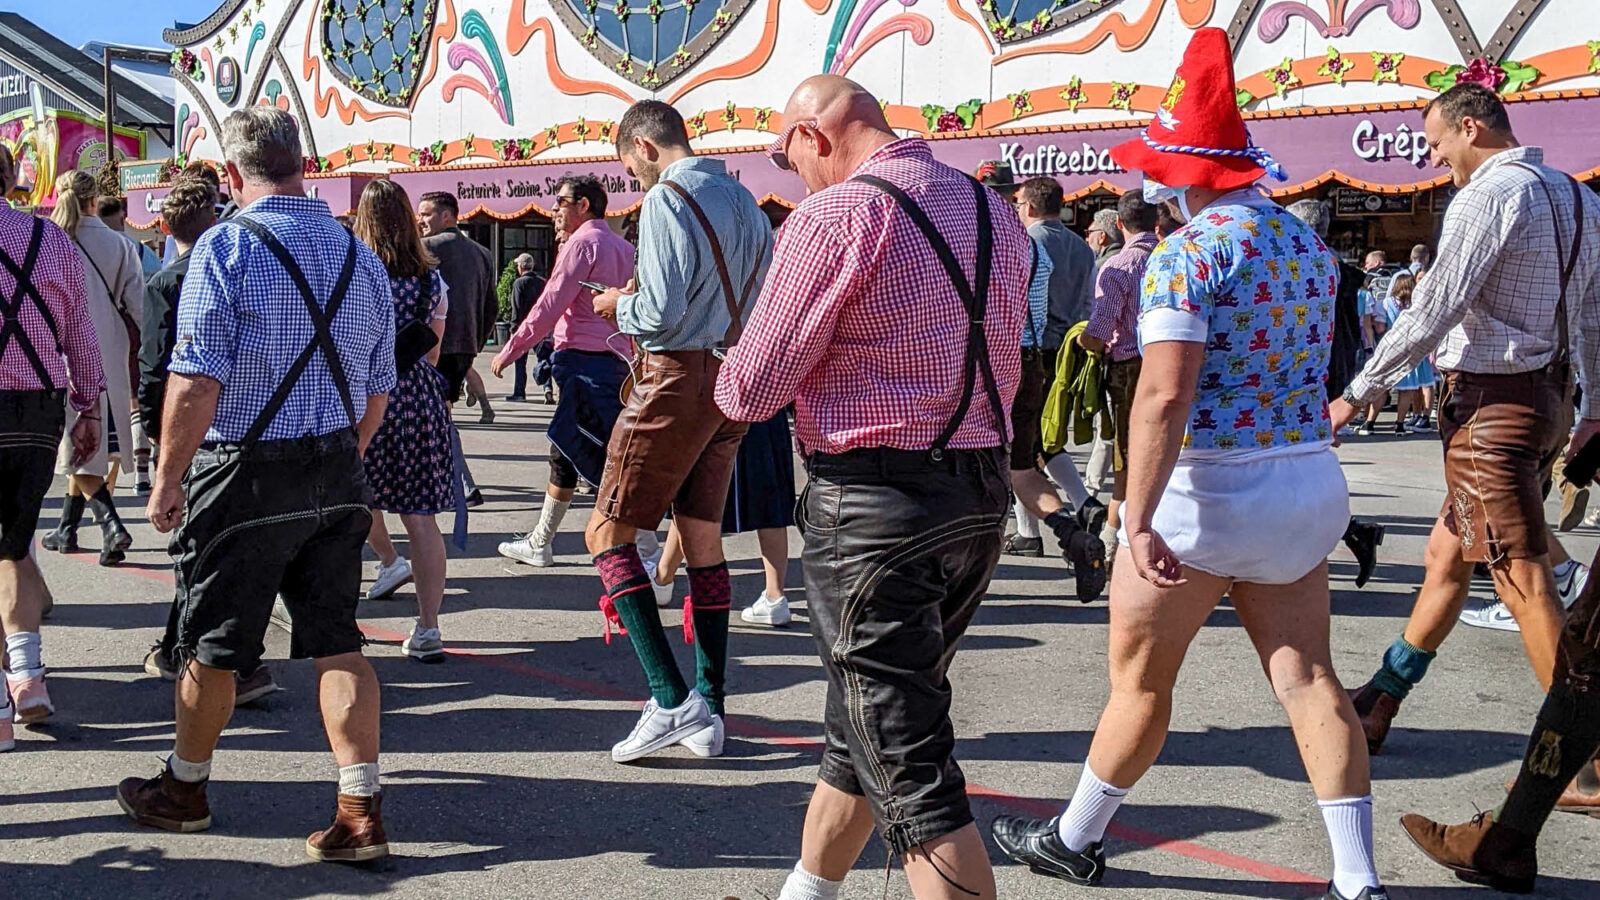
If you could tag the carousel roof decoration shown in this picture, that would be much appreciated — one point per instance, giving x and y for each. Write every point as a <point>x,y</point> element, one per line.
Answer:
<point>650,42</point>
<point>1018,20</point>
<point>377,47</point>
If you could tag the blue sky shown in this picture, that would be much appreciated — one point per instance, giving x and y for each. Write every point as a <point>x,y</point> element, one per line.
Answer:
<point>137,22</point>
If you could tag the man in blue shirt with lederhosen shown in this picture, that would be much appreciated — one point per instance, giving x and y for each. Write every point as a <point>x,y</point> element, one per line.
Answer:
<point>280,374</point>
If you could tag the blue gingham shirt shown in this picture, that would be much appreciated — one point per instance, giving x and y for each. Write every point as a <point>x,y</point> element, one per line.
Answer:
<point>1037,324</point>
<point>241,321</point>
<point>680,304</point>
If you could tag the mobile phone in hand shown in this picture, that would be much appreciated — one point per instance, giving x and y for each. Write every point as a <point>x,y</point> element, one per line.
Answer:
<point>1584,464</point>
<point>595,286</point>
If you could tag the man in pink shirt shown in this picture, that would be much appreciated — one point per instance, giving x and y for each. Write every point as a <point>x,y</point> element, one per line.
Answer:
<point>590,362</point>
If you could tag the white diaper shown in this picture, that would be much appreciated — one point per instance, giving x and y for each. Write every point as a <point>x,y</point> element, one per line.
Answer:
<point>1262,518</point>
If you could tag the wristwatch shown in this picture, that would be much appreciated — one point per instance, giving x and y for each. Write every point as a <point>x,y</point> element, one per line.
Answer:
<point>1350,397</point>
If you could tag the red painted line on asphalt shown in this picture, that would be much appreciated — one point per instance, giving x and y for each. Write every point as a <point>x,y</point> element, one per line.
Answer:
<point>746,728</point>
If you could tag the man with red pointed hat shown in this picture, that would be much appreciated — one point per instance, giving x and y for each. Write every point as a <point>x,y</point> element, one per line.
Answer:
<point>1229,420</point>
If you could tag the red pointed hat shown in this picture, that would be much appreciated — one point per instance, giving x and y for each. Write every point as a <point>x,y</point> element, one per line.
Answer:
<point>1198,137</point>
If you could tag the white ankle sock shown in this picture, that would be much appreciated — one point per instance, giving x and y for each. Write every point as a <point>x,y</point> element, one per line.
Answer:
<point>22,654</point>
<point>359,780</point>
<point>1027,524</point>
<point>1093,804</point>
<point>550,516</point>
<point>1064,473</point>
<point>802,885</point>
<point>1349,824</point>
<point>189,772</point>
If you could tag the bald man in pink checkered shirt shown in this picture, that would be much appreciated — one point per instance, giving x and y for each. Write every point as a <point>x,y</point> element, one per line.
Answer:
<point>892,318</point>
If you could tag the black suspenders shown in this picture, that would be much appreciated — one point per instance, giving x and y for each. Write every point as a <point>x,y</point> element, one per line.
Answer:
<point>321,323</point>
<point>12,309</point>
<point>974,297</point>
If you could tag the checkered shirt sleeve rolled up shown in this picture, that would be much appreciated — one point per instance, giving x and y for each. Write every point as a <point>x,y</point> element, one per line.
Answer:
<point>59,277</point>
<point>1489,302</point>
<point>1115,316</point>
<point>858,325</point>
<point>242,322</point>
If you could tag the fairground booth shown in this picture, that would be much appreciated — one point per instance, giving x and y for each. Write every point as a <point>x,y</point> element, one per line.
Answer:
<point>494,100</point>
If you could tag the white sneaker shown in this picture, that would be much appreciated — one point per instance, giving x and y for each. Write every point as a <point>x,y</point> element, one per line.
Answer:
<point>424,645</point>
<point>663,591</point>
<point>1495,615</point>
<point>707,741</point>
<point>390,578</point>
<point>1570,586</point>
<point>661,728</point>
<point>767,611</point>
<point>524,550</point>
<point>1492,614</point>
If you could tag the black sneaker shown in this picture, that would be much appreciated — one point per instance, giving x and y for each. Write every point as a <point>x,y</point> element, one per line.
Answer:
<point>1092,516</point>
<point>1371,893</point>
<point>1037,844</point>
<point>475,498</point>
<point>1017,545</point>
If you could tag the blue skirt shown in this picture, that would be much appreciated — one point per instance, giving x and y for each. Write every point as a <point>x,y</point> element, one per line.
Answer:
<point>1424,375</point>
<point>761,494</point>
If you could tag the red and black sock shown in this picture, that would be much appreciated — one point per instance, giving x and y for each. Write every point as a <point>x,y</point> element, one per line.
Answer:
<point>711,596</point>
<point>625,581</point>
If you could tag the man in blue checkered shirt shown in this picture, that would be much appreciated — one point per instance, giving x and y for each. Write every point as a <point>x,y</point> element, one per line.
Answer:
<point>279,378</point>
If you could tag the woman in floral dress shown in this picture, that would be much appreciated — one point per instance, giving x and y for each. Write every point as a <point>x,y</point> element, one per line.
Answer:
<point>409,462</point>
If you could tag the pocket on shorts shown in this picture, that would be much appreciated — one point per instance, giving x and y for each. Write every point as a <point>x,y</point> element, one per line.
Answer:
<point>817,511</point>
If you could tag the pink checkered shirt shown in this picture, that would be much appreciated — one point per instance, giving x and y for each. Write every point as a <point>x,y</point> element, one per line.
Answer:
<point>58,276</point>
<point>1115,317</point>
<point>859,326</point>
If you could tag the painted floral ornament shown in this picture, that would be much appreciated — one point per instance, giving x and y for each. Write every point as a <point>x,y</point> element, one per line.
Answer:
<point>1021,104</point>
<point>1337,66</point>
<point>1386,67</point>
<point>1507,77</point>
<point>943,121</point>
<point>1073,94</point>
<point>1282,77</point>
<point>1122,94</point>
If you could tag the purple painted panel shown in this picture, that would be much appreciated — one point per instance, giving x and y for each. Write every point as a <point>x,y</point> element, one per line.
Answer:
<point>1382,149</point>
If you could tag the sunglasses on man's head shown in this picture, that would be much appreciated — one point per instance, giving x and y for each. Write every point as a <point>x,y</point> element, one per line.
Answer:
<point>779,151</point>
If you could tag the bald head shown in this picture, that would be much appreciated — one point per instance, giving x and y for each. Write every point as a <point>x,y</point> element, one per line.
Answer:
<point>842,124</point>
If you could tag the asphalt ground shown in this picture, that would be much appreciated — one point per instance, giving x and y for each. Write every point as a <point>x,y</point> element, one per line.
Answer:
<point>498,782</point>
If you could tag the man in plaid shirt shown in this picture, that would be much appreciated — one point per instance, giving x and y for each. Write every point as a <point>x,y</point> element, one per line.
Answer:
<point>892,319</point>
<point>1513,301</point>
<point>47,350</point>
<point>279,377</point>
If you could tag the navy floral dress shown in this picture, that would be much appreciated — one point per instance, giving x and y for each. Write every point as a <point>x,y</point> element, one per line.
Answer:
<point>409,459</point>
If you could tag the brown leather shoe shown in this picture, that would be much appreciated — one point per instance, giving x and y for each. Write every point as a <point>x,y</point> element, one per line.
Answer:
<point>1377,710</point>
<point>1479,852</point>
<point>165,802</point>
<point>356,834</point>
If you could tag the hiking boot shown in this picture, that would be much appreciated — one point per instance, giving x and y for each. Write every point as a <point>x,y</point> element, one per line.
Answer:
<point>1377,711</point>
<point>1364,538</point>
<point>165,802</point>
<point>356,834</point>
<point>1037,844</point>
<point>1479,852</point>
<point>1084,551</point>
<point>1092,516</point>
